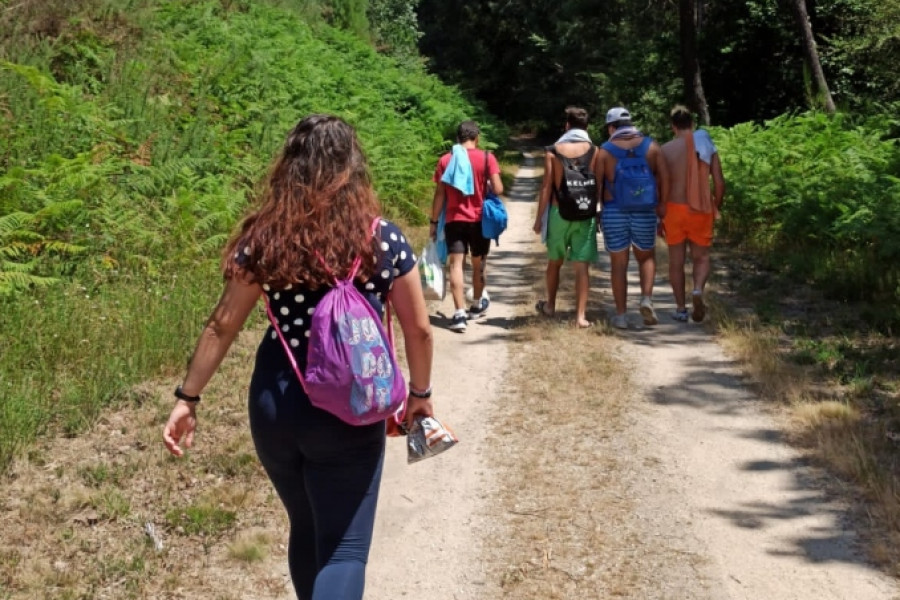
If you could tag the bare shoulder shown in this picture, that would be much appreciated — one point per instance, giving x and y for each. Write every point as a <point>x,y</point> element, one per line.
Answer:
<point>598,158</point>
<point>550,168</point>
<point>673,147</point>
<point>654,152</point>
<point>573,149</point>
<point>674,142</point>
<point>602,156</point>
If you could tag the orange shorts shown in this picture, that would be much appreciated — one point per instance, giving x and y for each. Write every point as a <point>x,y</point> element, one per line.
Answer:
<point>683,224</point>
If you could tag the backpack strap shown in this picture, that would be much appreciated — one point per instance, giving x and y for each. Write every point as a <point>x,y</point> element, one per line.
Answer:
<point>565,160</point>
<point>287,349</point>
<point>640,150</point>
<point>487,179</point>
<point>617,152</point>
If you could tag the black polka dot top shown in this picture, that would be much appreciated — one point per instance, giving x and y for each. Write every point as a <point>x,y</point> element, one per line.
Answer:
<point>293,306</point>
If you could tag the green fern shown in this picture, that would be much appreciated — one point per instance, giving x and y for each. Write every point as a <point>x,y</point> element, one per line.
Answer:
<point>123,173</point>
<point>19,247</point>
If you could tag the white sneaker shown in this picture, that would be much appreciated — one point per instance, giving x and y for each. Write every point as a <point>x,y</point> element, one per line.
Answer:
<point>647,311</point>
<point>619,322</point>
<point>470,295</point>
<point>476,311</point>
<point>458,323</point>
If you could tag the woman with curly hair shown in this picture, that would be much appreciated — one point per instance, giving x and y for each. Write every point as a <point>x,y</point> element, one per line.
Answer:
<point>315,218</point>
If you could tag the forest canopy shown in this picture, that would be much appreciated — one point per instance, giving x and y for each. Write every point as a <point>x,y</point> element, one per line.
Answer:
<point>528,58</point>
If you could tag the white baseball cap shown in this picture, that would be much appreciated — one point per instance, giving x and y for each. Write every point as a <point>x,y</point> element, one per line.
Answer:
<point>618,113</point>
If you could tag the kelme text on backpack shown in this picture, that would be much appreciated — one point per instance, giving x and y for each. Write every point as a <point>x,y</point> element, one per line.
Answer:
<point>634,187</point>
<point>351,370</point>
<point>577,193</point>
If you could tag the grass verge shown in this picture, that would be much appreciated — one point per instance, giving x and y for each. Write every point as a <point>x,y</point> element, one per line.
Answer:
<point>110,514</point>
<point>556,505</point>
<point>836,378</point>
<point>71,352</point>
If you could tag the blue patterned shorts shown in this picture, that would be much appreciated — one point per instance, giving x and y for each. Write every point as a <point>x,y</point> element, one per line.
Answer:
<point>623,229</point>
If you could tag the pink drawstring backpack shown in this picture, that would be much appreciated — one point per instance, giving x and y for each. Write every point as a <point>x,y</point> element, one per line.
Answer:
<point>351,369</point>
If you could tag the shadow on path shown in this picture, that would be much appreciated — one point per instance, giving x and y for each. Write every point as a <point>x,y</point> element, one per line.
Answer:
<point>762,509</point>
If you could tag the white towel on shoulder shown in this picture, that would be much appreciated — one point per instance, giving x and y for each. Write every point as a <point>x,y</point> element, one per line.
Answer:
<point>574,135</point>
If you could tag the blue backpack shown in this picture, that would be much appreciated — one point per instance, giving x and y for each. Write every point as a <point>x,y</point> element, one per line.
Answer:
<point>493,216</point>
<point>634,187</point>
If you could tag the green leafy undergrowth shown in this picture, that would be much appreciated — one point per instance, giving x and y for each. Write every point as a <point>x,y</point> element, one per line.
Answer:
<point>135,142</point>
<point>819,198</point>
<point>72,351</point>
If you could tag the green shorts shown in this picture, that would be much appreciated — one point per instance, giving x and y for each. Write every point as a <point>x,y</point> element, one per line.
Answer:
<point>572,240</point>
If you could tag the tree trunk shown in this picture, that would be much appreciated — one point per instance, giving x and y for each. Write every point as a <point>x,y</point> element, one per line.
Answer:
<point>811,54</point>
<point>690,65</point>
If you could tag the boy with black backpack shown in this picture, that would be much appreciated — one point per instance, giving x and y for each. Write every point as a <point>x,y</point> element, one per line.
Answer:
<point>635,188</point>
<point>568,210</point>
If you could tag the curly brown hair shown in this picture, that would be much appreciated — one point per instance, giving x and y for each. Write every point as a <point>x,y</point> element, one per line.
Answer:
<point>315,215</point>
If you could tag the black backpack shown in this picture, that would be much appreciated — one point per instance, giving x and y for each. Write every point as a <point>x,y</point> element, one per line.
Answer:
<point>577,192</point>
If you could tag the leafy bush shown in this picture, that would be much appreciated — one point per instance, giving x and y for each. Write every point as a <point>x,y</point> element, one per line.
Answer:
<point>819,196</point>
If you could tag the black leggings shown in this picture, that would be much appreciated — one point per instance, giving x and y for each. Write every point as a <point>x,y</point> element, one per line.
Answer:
<point>327,474</point>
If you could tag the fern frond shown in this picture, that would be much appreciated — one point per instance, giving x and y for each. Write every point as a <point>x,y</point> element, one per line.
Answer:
<point>14,281</point>
<point>213,243</point>
<point>16,267</point>
<point>15,221</point>
<point>16,249</point>
<point>63,248</point>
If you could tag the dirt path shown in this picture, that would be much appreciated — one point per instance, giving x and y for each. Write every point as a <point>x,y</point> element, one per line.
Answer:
<point>433,516</point>
<point>715,480</point>
<point>723,507</point>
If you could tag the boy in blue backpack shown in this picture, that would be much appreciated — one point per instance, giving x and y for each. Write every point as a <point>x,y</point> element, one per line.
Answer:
<point>635,188</point>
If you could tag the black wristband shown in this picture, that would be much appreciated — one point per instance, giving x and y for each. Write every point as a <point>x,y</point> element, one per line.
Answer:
<point>420,394</point>
<point>182,396</point>
<point>433,222</point>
